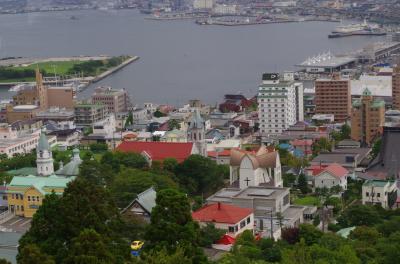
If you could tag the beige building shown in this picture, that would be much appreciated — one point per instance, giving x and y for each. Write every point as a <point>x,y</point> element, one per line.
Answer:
<point>116,100</point>
<point>367,118</point>
<point>21,113</point>
<point>88,114</point>
<point>396,87</point>
<point>61,97</point>
<point>333,96</point>
<point>45,97</point>
<point>380,192</point>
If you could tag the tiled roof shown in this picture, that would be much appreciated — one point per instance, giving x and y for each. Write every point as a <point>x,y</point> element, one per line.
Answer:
<point>224,153</point>
<point>335,170</point>
<point>264,158</point>
<point>221,213</point>
<point>159,150</point>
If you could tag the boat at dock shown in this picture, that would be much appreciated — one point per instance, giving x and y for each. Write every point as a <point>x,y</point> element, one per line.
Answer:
<point>357,29</point>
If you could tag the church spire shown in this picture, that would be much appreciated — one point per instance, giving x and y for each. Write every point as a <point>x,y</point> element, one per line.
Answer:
<point>196,132</point>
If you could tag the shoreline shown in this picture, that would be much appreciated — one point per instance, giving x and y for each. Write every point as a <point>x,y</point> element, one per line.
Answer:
<point>85,81</point>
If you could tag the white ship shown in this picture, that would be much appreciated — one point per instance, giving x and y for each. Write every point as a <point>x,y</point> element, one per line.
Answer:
<point>354,28</point>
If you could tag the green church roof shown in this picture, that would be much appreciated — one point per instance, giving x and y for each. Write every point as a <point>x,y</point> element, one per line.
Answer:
<point>40,183</point>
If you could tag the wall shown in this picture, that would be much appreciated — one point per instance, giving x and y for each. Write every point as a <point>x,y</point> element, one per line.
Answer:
<point>62,98</point>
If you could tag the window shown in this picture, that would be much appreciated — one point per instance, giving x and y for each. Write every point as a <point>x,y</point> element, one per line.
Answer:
<point>33,198</point>
<point>12,196</point>
<point>231,229</point>
<point>242,224</point>
<point>367,194</point>
<point>378,195</point>
<point>29,198</point>
<point>236,228</point>
<point>248,220</point>
<point>22,208</point>
<point>37,198</point>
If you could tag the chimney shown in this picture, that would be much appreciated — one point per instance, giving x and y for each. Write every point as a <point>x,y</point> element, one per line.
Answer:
<point>219,206</point>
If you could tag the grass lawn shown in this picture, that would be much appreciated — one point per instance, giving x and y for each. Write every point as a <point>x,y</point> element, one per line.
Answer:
<point>308,200</point>
<point>60,67</point>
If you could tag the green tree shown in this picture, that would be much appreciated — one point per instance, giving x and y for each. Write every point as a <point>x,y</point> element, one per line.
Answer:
<point>98,147</point>
<point>89,247</point>
<point>95,172</point>
<point>130,182</point>
<point>300,254</point>
<point>158,113</point>
<point>376,148</point>
<point>173,124</point>
<point>345,131</point>
<point>358,215</point>
<point>59,220</point>
<point>172,225</point>
<point>31,254</point>
<point>129,120</point>
<point>209,234</point>
<point>198,174</point>
<point>302,184</point>
<point>170,164</point>
<point>321,145</point>
<point>310,234</point>
<point>164,257</point>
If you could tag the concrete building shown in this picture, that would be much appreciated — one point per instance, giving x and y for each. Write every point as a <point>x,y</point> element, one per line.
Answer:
<point>88,114</point>
<point>56,114</point>
<point>280,103</point>
<point>396,87</point>
<point>265,202</point>
<point>380,192</point>
<point>13,142</point>
<point>115,100</point>
<point>333,96</point>
<point>367,118</point>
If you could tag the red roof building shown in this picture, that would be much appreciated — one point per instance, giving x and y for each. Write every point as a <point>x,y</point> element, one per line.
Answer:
<point>228,217</point>
<point>159,150</point>
<point>331,176</point>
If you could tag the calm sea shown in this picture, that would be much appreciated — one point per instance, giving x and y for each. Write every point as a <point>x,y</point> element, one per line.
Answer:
<point>179,59</point>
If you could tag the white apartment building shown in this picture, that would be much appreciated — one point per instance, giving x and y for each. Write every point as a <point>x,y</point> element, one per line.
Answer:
<point>280,103</point>
<point>21,142</point>
<point>381,192</point>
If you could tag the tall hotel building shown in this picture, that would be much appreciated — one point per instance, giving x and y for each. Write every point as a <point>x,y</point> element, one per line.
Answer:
<point>333,96</point>
<point>280,103</point>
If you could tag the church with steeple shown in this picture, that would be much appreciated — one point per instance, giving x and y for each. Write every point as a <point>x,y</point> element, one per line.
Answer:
<point>197,132</point>
<point>44,156</point>
<point>26,191</point>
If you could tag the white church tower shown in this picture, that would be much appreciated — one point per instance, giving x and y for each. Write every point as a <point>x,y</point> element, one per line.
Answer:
<point>44,156</point>
<point>197,132</point>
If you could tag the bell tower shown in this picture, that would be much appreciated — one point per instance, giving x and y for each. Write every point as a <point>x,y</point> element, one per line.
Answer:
<point>197,131</point>
<point>44,156</point>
